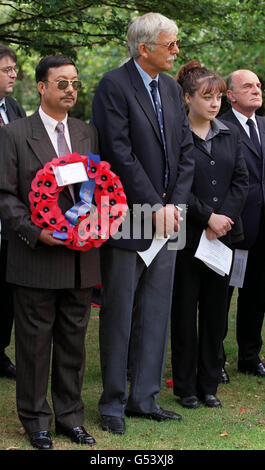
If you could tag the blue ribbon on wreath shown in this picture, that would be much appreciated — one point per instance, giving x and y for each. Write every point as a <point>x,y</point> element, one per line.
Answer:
<point>83,206</point>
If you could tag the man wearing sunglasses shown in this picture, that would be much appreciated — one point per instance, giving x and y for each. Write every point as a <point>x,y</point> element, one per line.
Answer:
<point>52,284</point>
<point>10,110</point>
<point>143,131</point>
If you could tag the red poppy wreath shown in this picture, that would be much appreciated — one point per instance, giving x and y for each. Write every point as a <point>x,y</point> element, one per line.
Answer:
<point>86,224</point>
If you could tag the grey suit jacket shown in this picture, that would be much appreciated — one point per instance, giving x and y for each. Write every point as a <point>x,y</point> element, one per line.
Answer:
<point>25,148</point>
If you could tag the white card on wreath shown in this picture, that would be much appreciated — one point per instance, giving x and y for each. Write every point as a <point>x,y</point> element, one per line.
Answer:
<point>70,174</point>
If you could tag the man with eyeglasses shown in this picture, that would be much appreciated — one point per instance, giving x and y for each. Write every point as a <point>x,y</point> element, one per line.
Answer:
<point>143,132</point>
<point>10,110</point>
<point>52,284</point>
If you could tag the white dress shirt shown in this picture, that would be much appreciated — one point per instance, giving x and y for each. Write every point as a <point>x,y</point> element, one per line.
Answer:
<point>50,126</point>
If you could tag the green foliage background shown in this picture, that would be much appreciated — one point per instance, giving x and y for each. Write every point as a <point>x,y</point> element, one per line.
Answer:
<point>222,34</point>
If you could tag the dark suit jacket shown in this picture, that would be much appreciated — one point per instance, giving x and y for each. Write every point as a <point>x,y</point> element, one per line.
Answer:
<point>220,185</point>
<point>25,148</point>
<point>254,205</point>
<point>130,140</point>
<point>14,111</point>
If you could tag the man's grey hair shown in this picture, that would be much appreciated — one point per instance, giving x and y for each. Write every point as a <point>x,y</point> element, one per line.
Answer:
<point>146,29</point>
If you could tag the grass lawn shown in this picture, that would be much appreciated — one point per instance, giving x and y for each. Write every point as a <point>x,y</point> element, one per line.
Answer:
<point>238,425</point>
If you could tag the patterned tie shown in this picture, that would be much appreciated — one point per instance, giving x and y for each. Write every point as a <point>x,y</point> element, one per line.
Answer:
<point>63,149</point>
<point>159,114</point>
<point>2,122</point>
<point>254,135</point>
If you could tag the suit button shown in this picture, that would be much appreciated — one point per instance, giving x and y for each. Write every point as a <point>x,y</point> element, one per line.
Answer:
<point>214,182</point>
<point>215,199</point>
<point>212,162</point>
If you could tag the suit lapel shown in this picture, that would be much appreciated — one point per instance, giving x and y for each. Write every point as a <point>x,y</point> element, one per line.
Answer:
<point>142,97</point>
<point>261,126</point>
<point>39,140</point>
<point>245,138</point>
<point>42,147</point>
<point>79,141</point>
<point>10,112</point>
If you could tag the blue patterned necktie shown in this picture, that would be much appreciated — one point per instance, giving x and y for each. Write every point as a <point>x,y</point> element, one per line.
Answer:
<point>254,135</point>
<point>159,114</point>
<point>2,122</point>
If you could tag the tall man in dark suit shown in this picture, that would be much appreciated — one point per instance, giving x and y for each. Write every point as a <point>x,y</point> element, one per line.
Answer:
<point>52,284</point>
<point>245,95</point>
<point>10,110</point>
<point>143,131</point>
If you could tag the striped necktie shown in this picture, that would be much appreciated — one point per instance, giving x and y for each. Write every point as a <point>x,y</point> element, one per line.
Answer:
<point>63,150</point>
<point>2,122</point>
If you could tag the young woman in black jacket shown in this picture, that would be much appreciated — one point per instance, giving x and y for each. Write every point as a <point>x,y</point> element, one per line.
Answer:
<point>218,193</point>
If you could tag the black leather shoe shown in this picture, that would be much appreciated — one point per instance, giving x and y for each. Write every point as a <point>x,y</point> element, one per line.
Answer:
<point>157,415</point>
<point>41,440</point>
<point>190,402</point>
<point>77,434</point>
<point>210,400</point>
<point>223,377</point>
<point>258,370</point>
<point>113,424</point>
<point>7,369</point>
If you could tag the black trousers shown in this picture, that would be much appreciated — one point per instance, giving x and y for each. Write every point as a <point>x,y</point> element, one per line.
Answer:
<point>251,305</point>
<point>7,314</point>
<point>50,324</point>
<point>197,325</point>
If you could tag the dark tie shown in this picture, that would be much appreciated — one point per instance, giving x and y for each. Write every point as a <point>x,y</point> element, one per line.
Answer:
<point>254,135</point>
<point>159,114</point>
<point>2,122</point>
<point>63,149</point>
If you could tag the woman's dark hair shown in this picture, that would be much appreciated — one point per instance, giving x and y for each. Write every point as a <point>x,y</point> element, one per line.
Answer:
<point>192,76</point>
<point>51,61</point>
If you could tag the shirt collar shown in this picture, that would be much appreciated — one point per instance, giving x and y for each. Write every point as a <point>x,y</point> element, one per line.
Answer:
<point>216,127</point>
<point>242,118</point>
<point>3,103</point>
<point>145,76</point>
<point>48,121</point>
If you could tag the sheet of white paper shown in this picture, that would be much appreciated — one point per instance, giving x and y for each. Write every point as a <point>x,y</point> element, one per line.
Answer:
<point>70,174</point>
<point>215,255</point>
<point>239,268</point>
<point>149,254</point>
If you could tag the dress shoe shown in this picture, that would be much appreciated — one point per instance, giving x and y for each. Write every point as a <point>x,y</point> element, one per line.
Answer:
<point>113,424</point>
<point>258,370</point>
<point>7,369</point>
<point>190,402</point>
<point>157,415</point>
<point>41,440</point>
<point>210,400</point>
<point>223,377</point>
<point>77,434</point>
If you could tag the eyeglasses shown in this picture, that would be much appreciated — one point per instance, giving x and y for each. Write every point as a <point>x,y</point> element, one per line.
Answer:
<point>9,70</point>
<point>170,45</point>
<point>63,84</point>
